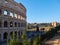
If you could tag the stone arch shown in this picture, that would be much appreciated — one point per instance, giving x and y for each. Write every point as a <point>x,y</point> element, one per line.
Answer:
<point>11,14</point>
<point>42,29</point>
<point>15,24</point>
<point>5,24</point>
<point>18,24</point>
<point>15,34</point>
<point>5,12</point>
<point>19,34</point>
<point>5,35</point>
<point>11,34</point>
<point>11,24</point>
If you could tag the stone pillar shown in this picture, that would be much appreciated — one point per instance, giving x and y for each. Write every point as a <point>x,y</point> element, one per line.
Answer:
<point>2,12</point>
<point>8,36</point>
<point>13,14</point>
<point>8,13</point>
<point>2,23</point>
<point>13,34</point>
<point>17,16</point>
<point>8,24</point>
<point>17,34</point>
<point>2,36</point>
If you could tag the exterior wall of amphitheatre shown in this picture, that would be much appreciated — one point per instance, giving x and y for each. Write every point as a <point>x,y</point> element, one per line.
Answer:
<point>12,18</point>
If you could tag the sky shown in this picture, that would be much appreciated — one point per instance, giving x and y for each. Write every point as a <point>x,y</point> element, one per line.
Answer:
<point>42,11</point>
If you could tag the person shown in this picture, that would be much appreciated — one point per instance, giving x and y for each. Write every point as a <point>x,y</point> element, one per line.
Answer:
<point>37,27</point>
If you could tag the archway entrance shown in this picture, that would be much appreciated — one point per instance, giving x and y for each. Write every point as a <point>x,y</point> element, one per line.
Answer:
<point>15,34</point>
<point>19,34</point>
<point>11,34</point>
<point>5,35</point>
<point>5,24</point>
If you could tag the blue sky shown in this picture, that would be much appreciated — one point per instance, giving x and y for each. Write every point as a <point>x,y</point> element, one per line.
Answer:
<point>42,11</point>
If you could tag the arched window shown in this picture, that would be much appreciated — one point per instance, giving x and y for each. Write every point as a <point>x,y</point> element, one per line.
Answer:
<point>5,24</point>
<point>5,12</point>
<point>15,34</point>
<point>6,1</point>
<point>11,34</point>
<point>11,14</point>
<point>15,15</point>
<point>18,16</point>
<point>19,34</point>
<point>5,35</point>
<point>15,24</point>
<point>21,24</point>
<point>18,24</point>
<point>11,24</point>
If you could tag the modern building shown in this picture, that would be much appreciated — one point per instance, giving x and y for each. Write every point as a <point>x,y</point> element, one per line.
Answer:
<point>12,19</point>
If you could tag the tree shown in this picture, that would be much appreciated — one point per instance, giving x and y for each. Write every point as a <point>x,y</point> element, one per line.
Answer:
<point>37,40</point>
<point>24,38</point>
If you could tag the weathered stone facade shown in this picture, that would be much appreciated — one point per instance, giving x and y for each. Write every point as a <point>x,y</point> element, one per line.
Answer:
<point>12,18</point>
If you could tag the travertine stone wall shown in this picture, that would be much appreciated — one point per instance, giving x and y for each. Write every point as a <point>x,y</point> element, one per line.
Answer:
<point>16,12</point>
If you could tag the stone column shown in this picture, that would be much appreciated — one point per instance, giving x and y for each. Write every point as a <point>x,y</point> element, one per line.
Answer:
<point>17,34</point>
<point>2,12</point>
<point>8,13</point>
<point>2,23</point>
<point>13,34</point>
<point>13,14</point>
<point>8,36</point>
<point>17,16</point>
<point>13,27</point>
<point>8,24</point>
<point>2,36</point>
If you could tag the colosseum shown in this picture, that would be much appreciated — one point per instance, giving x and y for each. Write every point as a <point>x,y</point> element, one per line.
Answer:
<point>12,19</point>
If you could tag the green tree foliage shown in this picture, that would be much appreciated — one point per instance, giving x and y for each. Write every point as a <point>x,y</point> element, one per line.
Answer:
<point>24,40</point>
<point>37,40</point>
<point>50,33</point>
<point>15,42</point>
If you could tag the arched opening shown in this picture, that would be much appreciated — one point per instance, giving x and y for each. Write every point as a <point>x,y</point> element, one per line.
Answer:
<point>19,34</point>
<point>24,24</point>
<point>11,14</point>
<point>21,25</point>
<point>5,12</point>
<point>15,15</point>
<point>5,24</point>
<point>18,24</point>
<point>15,34</point>
<point>11,24</point>
<point>15,24</point>
<point>42,29</point>
<point>5,35</point>
<point>11,34</point>
<point>6,1</point>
